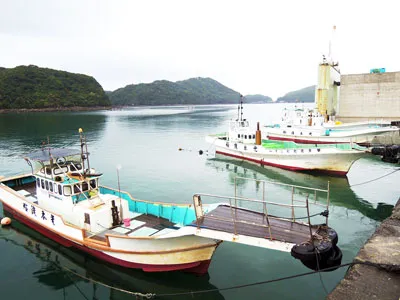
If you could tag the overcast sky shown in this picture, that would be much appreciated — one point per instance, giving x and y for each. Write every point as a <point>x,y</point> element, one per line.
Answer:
<point>254,47</point>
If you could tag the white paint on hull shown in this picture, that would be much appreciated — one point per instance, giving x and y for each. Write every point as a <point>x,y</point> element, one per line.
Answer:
<point>327,159</point>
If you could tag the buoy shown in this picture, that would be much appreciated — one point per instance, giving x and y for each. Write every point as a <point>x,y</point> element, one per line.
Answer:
<point>5,221</point>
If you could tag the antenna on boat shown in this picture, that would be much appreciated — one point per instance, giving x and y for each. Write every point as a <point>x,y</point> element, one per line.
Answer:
<point>84,154</point>
<point>240,109</point>
<point>119,192</point>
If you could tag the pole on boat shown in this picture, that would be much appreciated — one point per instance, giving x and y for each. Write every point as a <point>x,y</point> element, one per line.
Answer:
<point>241,107</point>
<point>309,220</point>
<point>327,204</point>
<point>82,143</point>
<point>84,154</point>
<point>119,193</point>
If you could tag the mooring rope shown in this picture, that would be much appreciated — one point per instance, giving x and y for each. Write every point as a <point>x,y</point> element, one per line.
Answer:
<point>153,295</point>
<point>147,295</point>
<point>376,178</point>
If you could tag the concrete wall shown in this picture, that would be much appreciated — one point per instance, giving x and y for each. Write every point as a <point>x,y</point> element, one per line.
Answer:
<point>369,97</point>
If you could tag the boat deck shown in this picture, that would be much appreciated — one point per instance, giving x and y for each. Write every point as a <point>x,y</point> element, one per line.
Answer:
<point>224,218</point>
<point>29,187</point>
<point>254,224</point>
<point>140,225</point>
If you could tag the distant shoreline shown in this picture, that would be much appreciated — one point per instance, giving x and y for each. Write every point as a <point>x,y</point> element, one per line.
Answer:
<point>55,109</point>
<point>117,107</point>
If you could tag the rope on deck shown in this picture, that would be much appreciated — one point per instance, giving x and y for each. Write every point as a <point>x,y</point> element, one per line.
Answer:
<point>152,295</point>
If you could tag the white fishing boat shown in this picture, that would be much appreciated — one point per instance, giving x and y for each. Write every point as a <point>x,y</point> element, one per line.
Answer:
<point>63,199</point>
<point>245,143</point>
<point>308,126</point>
<point>321,125</point>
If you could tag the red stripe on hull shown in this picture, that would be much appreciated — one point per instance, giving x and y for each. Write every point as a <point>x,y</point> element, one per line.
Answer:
<point>301,141</point>
<point>199,267</point>
<point>264,163</point>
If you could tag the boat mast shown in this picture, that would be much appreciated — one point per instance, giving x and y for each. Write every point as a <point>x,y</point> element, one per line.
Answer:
<point>240,108</point>
<point>84,153</point>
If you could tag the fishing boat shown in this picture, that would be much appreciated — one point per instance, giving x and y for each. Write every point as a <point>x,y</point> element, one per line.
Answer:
<point>321,125</point>
<point>245,143</point>
<point>64,200</point>
<point>309,126</point>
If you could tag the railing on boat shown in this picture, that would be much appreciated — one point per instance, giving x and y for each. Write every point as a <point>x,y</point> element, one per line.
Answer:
<point>294,204</point>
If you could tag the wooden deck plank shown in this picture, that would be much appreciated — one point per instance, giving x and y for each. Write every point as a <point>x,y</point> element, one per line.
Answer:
<point>282,230</point>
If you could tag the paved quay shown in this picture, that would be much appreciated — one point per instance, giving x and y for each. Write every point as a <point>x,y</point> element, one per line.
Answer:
<point>378,275</point>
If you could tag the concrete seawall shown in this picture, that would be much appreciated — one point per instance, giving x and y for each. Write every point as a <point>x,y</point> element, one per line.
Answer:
<point>378,275</point>
<point>369,97</point>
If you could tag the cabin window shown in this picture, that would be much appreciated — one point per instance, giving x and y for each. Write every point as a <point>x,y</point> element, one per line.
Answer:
<point>93,183</point>
<point>60,189</point>
<point>62,170</point>
<point>48,171</point>
<point>292,132</point>
<point>38,182</point>
<point>245,136</point>
<point>254,136</point>
<point>51,186</point>
<point>42,182</point>
<point>238,136</point>
<point>77,189</point>
<point>284,131</point>
<point>75,167</point>
<point>67,190</point>
<point>85,186</point>
<point>46,184</point>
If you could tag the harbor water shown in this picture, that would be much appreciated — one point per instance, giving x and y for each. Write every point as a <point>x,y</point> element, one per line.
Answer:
<point>153,153</point>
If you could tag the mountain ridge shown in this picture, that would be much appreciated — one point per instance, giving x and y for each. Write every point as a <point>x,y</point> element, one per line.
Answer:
<point>32,87</point>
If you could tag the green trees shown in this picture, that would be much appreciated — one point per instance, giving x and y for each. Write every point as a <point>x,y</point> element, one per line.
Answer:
<point>304,95</point>
<point>34,87</point>
<point>163,92</point>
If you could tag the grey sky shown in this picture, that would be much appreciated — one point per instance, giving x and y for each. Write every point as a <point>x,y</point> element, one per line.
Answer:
<point>264,47</point>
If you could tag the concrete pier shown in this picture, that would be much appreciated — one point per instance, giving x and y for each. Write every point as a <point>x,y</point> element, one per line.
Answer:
<point>369,97</point>
<point>379,277</point>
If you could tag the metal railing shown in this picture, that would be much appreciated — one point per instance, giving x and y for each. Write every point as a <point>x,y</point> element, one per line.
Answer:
<point>292,206</point>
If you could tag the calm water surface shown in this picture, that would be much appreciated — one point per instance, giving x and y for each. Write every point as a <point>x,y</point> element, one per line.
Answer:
<point>145,143</point>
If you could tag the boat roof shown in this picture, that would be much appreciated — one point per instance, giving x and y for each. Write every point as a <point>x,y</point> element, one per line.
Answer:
<point>46,154</point>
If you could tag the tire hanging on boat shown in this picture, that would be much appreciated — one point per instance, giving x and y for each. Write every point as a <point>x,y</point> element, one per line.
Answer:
<point>320,254</point>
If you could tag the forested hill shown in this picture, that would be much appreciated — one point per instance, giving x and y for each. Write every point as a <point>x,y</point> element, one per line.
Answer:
<point>257,99</point>
<point>304,95</point>
<point>191,91</point>
<point>37,88</point>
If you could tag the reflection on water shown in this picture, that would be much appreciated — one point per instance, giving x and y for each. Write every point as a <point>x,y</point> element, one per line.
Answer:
<point>23,132</point>
<point>341,194</point>
<point>59,265</point>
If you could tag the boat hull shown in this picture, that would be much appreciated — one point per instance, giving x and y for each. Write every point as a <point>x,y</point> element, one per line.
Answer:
<point>304,136</point>
<point>329,161</point>
<point>197,267</point>
<point>181,252</point>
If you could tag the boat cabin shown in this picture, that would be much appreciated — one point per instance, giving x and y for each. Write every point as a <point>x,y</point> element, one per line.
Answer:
<point>64,187</point>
